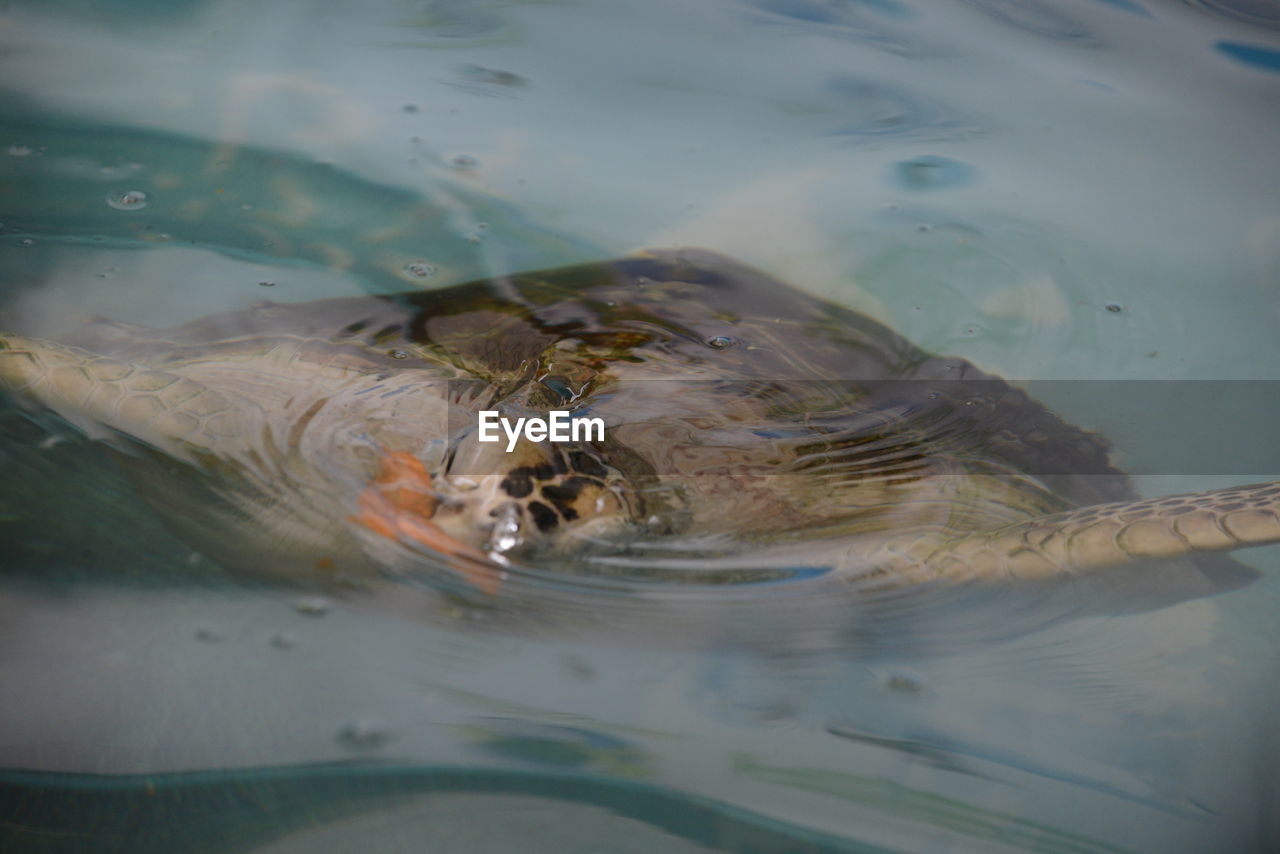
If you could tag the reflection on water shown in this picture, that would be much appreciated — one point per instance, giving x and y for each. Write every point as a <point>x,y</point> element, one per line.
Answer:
<point>992,179</point>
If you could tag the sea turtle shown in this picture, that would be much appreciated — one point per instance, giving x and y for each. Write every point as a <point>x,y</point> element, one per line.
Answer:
<point>745,422</point>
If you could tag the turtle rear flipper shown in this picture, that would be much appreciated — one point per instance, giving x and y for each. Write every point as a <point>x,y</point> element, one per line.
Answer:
<point>1107,535</point>
<point>102,395</point>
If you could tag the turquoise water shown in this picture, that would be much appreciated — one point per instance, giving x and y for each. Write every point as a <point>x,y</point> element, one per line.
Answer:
<point>1055,190</point>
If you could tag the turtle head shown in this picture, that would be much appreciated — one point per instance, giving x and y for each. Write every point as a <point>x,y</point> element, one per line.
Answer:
<point>540,497</point>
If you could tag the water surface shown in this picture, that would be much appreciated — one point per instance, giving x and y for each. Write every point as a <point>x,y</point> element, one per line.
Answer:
<point>1074,191</point>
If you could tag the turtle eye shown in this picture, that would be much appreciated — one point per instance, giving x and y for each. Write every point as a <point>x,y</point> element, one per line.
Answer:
<point>560,387</point>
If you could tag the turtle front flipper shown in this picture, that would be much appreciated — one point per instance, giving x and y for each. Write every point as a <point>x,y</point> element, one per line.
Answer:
<point>174,414</point>
<point>1103,536</point>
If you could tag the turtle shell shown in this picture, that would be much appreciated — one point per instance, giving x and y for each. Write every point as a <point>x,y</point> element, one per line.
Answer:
<point>689,316</point>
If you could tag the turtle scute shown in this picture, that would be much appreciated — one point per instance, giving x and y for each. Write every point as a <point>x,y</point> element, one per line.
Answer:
<point>746,423</point>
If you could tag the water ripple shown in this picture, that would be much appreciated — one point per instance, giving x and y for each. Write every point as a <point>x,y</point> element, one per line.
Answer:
<point>1038,19</point>
<point>1251,55</point>
<point>1262,13</point>
<point>844,21</point>
<point>875,112</point>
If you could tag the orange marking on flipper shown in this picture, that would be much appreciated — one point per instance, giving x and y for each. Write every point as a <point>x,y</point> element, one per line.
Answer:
<point>468,562</point>
<point>403,480</point>
<point>400,502</point>
<point>376,514</point>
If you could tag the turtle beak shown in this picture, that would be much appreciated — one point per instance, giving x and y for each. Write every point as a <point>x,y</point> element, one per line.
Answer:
<point>477,510</point>
<point>505,534</point>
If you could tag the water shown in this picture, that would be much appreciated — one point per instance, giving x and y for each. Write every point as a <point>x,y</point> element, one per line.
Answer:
<point>992,179</point>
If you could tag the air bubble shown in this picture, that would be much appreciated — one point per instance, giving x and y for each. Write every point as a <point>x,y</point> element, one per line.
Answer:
<point>312,606</point>
<point>932,173</point>
<point>579,667</point>
<point>267,284</point>
<point>419,270</point>
<point>720,342</point>
<point>209,635</point>
<point>129,200</point>
<point>283,641</point>
<point>398,354</point>
<point>463,161</point>
<point>1115,307</point>
<point>364,734</point>
<point>903,683</point>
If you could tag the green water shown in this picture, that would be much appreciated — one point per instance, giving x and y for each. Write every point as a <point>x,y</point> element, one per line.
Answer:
<point>1067,191</point>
